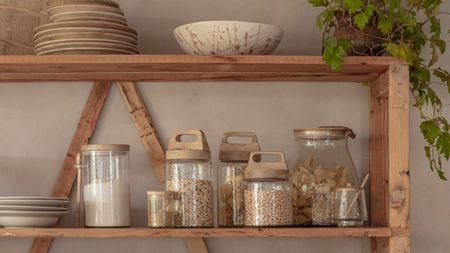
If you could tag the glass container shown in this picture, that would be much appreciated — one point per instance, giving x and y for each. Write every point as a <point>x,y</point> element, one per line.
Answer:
<point>189,174</point>
<point>323,164</point>
<point>160,205</point>
<point>106,185</point>
<point>267,193</point>
<point>350,207</point>
<point>234,158</point>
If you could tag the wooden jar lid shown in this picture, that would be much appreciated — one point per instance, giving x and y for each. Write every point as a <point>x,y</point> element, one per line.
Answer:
<point>324,132</point>
<point>193,150</point>
<point>237,152</point>
<point>105,147</point>
<point>266,170</point>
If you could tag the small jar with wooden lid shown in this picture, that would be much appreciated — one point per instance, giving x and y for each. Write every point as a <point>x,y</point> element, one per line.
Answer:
<point>233,156</point>
<point>189,174</point>
<point>267,194</point>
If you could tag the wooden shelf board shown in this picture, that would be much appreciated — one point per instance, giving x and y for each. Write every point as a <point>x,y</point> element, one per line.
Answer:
<point>201,232</point>
<point>187,68</point>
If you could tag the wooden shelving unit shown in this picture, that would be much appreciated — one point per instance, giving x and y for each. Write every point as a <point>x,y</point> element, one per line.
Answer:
<point>389,130</point>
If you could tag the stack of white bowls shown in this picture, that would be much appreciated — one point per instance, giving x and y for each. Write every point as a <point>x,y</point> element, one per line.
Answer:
<point>31,211</point>
<point>85,27</point>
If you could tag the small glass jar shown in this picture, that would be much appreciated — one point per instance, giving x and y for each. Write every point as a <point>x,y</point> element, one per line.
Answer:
<point>323,164</point>
<point>234,158</point>
<point>267,194</point>
<point>189,174</point>
<point>106,185</point>
<point>160,205</point>
<point>350,207</point>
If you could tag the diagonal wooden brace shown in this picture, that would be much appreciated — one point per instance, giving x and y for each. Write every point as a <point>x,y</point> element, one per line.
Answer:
<point>147,132</point>
<point>84,131</point>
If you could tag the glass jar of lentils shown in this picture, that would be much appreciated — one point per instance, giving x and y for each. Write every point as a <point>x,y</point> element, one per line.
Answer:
<point>189,175</point>
<point>267,193</point>
<point>234,158</point>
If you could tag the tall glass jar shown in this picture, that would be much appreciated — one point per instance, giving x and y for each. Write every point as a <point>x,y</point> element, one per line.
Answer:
<point>106,185</point>
<point>323,164</point>
<point>267,193</point>
<point>234,158</point>
<point>189,175</point>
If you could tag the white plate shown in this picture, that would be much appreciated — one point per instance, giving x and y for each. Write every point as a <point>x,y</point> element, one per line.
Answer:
<point>29,218</point>
<point>31,208</point>
<point>33,197</point>
<point>34,202</point>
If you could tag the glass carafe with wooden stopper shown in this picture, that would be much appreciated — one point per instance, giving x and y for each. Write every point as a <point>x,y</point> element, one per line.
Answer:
<point>234,158</point>
<point>189,174</point>
<point>323,164</point>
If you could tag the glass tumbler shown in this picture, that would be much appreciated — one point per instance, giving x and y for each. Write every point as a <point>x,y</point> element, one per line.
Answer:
<point>350,207</point>
<point>160,209</point>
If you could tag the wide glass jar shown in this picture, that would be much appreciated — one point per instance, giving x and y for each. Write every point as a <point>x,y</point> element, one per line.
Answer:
<point>323,164</point>
<point>189,174</point>
<point>106,185</point>
<point>233,156</point>
<point>267,193</point>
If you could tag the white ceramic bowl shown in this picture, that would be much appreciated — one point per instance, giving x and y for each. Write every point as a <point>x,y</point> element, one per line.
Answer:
<point>228,38</point>
<point>29,218</point>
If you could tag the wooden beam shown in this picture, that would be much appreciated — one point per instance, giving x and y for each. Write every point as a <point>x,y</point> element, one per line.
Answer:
<point>390,134</point>
<point>84,131</point>
<point>187,68</point>
<point>305,232</point>
<point>147,132</point>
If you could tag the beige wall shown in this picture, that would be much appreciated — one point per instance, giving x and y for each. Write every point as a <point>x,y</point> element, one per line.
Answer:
<point>37,123</point>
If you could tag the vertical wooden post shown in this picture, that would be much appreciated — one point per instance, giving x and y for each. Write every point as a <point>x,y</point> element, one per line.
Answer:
<point>84,131</point>
<point>389,157</point>
<point>147,133</point>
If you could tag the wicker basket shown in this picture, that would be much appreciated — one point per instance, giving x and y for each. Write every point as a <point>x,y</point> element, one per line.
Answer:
<point>18,18</point>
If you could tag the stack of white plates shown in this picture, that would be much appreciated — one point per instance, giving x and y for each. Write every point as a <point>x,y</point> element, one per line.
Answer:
<point>31,211</point>
<point>85,27</point>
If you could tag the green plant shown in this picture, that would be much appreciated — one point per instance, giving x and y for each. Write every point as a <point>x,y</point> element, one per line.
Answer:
<point>405,29</point>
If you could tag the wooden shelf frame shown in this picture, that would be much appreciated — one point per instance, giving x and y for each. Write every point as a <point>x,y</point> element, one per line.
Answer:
<point>200,232</point>
<point>388,81</point>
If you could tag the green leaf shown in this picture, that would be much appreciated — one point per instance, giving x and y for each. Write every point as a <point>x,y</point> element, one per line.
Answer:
<point>318,3</point>
<point>443,75</point>
<point>435,28</point>
<point>353,5</point>
<point>385,25</point>
<point>430,131</point>
<point>335,51</point>
<point>443,144</point>
<point>402,51</point>
<point>428,154</point>
<point>441,175</point>
<point>362,18</point>
<point>325,17</point>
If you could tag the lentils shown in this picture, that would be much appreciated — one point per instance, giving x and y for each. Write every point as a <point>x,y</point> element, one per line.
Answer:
<point>267,206</point>
<point>193,202</point>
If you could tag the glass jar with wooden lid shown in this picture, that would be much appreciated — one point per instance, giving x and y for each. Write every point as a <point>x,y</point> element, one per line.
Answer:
<point>323,164</point>
<point>267,193</point>
<point>160,205</point>
<point>189,174</point>
<point>233,156</point>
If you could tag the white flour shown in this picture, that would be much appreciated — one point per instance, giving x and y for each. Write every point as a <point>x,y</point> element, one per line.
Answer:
<point>107,204</point>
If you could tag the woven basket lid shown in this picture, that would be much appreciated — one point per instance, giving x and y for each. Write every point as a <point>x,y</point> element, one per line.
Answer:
<point>237,152</point>
<point>266,170</point>
<point>192,150</point>
<point>324,132</point>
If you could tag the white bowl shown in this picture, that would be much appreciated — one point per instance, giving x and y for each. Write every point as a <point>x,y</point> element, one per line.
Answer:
<point>29,218</point>
<point>228,38</point>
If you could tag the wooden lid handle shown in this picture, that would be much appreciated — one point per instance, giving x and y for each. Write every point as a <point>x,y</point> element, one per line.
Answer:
<point>188,150</point>
<point>237,152</point>
<point>255,162</point>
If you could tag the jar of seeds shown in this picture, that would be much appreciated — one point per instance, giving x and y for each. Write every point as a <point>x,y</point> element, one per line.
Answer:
<point>324,164</point>
<point>234,158</point>
<point>267,193</point>
<point>189,175</point>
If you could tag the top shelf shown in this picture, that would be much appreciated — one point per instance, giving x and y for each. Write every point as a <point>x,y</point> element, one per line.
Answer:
<point>187,68</point>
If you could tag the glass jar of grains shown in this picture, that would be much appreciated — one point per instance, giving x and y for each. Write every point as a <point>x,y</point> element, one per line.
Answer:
<point>267,193</point>
<point>234,158</point>
<point>324,164</point>
<point>189,175</point>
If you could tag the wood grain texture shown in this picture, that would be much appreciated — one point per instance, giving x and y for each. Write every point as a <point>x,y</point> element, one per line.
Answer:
<point>187,68</point>
<point>147,132</point>
<point>194,233</point>
<point>389,162</point>
<point>83,133</point>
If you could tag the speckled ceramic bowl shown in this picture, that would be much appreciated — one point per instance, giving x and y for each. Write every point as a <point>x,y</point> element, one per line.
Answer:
<point>228,38</point>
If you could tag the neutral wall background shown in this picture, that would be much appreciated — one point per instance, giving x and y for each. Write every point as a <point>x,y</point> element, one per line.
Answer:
<point>38,121</point>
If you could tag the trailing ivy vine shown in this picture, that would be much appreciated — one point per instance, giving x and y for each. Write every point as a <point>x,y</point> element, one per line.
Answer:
<point>405,29</point>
